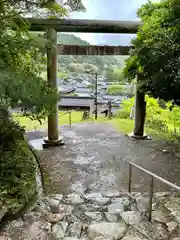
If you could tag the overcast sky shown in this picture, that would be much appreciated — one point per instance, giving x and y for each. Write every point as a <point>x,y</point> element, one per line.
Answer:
<point>109,10</point>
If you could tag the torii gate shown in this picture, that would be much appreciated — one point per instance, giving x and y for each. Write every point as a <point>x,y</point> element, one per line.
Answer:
<point>52,26</point>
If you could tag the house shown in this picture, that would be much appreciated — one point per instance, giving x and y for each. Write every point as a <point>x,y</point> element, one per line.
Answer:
<point>66,89</point>
<point>76,103</point>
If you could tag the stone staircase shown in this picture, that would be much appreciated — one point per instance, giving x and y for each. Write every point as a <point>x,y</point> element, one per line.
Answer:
<point>95,216</point>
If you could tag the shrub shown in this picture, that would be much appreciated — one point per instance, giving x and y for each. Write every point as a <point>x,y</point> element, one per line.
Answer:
<point>156,123</point>
<point>17,178</point>
<point>122,114</point>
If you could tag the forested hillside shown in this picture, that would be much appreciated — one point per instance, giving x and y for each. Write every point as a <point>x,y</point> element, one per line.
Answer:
<point>102,62</point>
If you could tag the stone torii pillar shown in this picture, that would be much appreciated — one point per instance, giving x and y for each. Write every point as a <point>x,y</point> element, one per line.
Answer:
<point>140,114</point>
<point>53,138</point>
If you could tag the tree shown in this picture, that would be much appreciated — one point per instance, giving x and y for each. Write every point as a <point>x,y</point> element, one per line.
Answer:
<point>115,74</point>
<point>22,59</point>
<point>116,89</point>
<point>90,68</point>
<point>156,53</point>
<point>76,67</point>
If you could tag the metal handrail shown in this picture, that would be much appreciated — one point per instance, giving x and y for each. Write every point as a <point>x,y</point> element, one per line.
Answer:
<point>151,184</point>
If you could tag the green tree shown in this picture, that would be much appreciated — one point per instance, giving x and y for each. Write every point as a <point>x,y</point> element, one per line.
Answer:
<point>115,74</point>
<point>156,55</point>
<point>116,90</point>
<point>62,75</point>
<point>90,68</point>
<point>76,67</point>
<point>22,58</point>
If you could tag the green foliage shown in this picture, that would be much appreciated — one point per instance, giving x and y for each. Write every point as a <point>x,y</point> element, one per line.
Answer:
<point>115,74</point>
<point>62,75</point>
<point>156,55</point>
<point>158,124</point>
<point>76,67</point>
<point>116,89</point>
<point>126,107</point>
<point>17,181</point>
<point>159,119</point>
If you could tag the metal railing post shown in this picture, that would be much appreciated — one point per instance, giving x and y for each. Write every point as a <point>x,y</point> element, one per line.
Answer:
<point>70,118</point>
<point>151,186</point>
<point>130,177</point>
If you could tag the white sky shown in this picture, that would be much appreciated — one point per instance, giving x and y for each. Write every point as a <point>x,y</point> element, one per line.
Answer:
<point>108,10</point>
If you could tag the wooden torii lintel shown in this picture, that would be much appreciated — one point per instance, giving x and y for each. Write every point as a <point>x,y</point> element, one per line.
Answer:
<point>92,50</point>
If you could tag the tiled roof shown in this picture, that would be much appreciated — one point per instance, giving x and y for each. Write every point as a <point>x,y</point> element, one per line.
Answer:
<point>83,90</point>
<point>75,102</point>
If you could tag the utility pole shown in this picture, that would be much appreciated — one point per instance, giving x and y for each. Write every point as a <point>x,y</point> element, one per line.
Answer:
<point>96,94</point>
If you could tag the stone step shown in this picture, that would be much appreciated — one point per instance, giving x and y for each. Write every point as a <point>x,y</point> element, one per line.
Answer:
<point>99,217</point>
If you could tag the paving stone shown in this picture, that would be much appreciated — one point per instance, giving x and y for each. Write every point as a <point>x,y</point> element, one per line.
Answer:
<point>54,205</point>
<point>132,217</point>
<point>173,205</point>
<point>71,218</point>
<point>133,234</point>
<point>77,188</point>
<point>32,216</point>
<point>112,194</point>
<point>58,197</point>
<point>14,225</point>
<point>172,226</point>
<point>142,204</point>
<point>70,238</point>
<point>54,217</point>
<point>116,207</point>
<point>39,230</point>
<point>59,230</point>
<point>134,238</point>
<point>111,217</point>
<point>73,198</point>
<point>125,200</point>
<point>152,230</point>
<point>161,216</point>
<point>67,209</point>
<point>97,216</point>
<point>176,214</point>
<point>97,198</point>
<point>4,236</point>
<point>84,237</point>
<point>89,208</point>
<point>74,230</point>
<point>102,238</point>
<point>111,230</point>
<point>162,194</point>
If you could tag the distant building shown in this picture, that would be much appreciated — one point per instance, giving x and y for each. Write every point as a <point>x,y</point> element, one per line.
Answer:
<point>66,89</point>
<point>76,103</point>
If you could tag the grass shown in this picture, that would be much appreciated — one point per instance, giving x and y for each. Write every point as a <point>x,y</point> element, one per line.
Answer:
<point>127,125</point>
<point>63,119</point>
<point>122,125</point>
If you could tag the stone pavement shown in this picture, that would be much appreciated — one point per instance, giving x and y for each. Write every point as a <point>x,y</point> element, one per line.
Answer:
<point>95,157</point>
<point>86,183</point>
<point>95,216</point>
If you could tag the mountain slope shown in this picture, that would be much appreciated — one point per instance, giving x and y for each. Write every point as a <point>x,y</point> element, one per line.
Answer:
<point>70,39</point>
<point>100,61</point>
